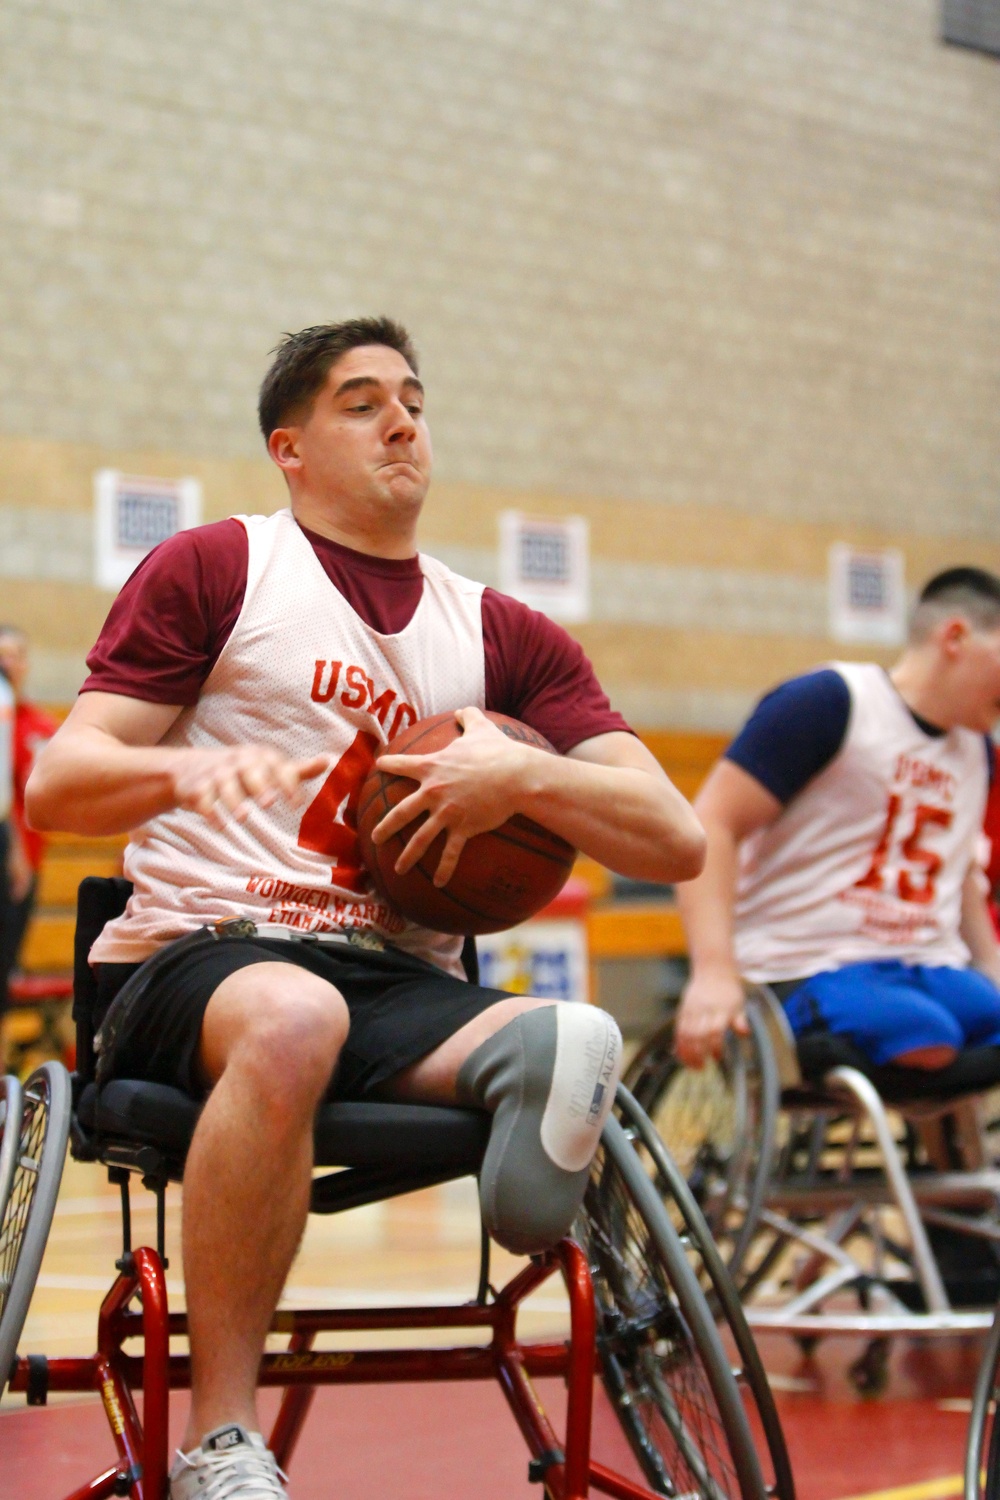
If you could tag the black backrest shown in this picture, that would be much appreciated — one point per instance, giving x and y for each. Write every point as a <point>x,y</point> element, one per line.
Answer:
<point>98,900</point>
<point>470,960</point>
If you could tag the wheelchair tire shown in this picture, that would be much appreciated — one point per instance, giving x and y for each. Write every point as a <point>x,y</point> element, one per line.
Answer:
<point>11,1109</point>
<point>723,1299</point>
<point>27,1214</point>
<point>662,1359</point>
<point>982,1444</point>
<point>718,1124</point>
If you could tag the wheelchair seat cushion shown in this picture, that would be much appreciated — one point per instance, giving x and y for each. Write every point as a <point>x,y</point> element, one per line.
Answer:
<point>973,1071</point>
<point>368,1134</point>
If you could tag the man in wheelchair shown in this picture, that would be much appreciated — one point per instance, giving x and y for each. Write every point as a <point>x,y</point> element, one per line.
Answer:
<point>842,870</point>
<point>246,676</point>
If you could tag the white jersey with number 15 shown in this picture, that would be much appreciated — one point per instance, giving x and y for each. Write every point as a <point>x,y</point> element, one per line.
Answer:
<point>868,860</point>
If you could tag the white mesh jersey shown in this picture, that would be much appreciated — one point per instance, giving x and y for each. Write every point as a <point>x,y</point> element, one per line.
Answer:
<point>867,862</point>
<point>301,672</point>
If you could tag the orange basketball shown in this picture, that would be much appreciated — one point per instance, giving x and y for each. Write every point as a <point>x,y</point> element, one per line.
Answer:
<point>502,877</point>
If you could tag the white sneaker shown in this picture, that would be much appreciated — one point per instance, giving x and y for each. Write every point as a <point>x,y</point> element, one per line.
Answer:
<point>231,1464</point>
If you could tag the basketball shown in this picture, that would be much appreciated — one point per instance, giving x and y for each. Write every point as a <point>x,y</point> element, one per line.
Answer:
<point>502,877</point>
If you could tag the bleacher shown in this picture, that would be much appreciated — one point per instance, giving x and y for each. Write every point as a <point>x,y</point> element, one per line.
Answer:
<point>625,927</point>
<point>38,1024</point>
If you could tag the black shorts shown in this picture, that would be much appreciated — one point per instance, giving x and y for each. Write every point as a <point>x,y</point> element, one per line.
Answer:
<point>401,1008</point>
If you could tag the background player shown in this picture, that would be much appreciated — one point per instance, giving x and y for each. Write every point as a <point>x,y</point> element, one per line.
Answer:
<point>32,729</point>
<point>11,863</point>
<point>239,661</point>
<point>842,826</point>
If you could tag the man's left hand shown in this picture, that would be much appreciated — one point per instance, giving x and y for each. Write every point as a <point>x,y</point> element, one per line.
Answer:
<point>469,787</point>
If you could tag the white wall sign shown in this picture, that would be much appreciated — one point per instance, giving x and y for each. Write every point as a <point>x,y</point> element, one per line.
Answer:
<point>132,515</point>
<point>867,596</point>
<point>545,562</point>
<point>546,957</point>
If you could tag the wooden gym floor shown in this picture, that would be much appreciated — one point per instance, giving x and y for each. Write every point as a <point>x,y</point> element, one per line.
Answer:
<point>456,1442</point>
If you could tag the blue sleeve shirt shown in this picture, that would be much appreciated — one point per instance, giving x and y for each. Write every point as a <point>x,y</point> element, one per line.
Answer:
<point>797,729</point>
<point>794,732</point>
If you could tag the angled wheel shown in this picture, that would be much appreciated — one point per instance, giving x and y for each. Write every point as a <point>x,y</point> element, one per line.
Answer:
<point>982,1445</point>
<point>718,1124</point>
<point>27,1213</point>
<point>706,1262</point>
<point>11,1107</point>
<point>661,1356</point>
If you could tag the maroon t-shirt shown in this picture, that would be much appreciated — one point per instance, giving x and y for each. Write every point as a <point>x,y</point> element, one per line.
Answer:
<point>168,625</point>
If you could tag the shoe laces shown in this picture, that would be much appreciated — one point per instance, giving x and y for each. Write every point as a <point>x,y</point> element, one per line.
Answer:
<point>240,1473</point>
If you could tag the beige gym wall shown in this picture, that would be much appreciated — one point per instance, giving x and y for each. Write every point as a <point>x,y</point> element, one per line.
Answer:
<point>692,620</point>
<point>722,278</point>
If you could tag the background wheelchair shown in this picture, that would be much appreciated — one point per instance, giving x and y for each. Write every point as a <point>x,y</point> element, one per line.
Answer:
<point>839,1206</point>
<point>982,1448</point>
<point>637,1313</point>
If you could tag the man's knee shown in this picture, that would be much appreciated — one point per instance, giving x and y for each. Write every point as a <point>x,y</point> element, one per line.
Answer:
<point>928,1058</point>
<point>930,1039</point>
<point>281,1025</point>
<point>549,1079</point>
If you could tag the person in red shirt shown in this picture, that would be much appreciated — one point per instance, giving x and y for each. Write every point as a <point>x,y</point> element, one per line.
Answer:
<point>991,828</point>
<point>33,728</point>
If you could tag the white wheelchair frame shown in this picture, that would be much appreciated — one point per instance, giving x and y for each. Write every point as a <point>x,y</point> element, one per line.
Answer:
<point>932,1197</point>
<point>821,1222</point>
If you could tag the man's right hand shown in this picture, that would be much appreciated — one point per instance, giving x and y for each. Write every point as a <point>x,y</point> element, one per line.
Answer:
<point>712,1004</point>
<point>107,770</point>
<point>225,783</point>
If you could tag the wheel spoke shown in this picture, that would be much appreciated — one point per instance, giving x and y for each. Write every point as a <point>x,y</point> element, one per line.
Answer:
<point>651,1071</point>
<point>26,1214</point>
<point>649,1355</point>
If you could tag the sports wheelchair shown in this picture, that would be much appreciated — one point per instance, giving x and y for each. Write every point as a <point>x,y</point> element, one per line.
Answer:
<point>637,1314</point>
<point>844,1198</point>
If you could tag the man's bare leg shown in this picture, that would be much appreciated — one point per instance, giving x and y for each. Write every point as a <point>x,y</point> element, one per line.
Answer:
<point>270,1040</point>
<point>432,1080</point>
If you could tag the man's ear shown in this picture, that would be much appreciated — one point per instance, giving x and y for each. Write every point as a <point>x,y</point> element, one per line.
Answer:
<point>952,635</point>
<point>283,446</point>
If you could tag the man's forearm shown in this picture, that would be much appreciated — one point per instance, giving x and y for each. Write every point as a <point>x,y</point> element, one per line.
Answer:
<point>90,783</point>
<point>634,822</point>
<point>707,904</point>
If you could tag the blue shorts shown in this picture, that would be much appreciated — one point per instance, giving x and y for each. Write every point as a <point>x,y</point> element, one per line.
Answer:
<point>887,1008</point>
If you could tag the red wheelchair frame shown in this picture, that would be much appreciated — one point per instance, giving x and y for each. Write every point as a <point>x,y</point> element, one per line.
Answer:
<point>567,1473</point>
<point>143,1128</point>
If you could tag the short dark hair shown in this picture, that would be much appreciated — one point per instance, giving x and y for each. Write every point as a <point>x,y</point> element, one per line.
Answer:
<point>303,360</point>
<point>972,592</point>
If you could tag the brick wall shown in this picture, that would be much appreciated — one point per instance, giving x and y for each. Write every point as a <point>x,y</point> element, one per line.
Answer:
<point>689,266</point>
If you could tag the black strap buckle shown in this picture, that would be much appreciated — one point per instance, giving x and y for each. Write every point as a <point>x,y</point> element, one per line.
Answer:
<point>538,1467</point>
<point>125,1479</point>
